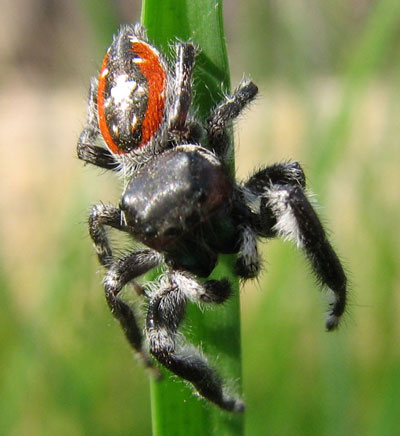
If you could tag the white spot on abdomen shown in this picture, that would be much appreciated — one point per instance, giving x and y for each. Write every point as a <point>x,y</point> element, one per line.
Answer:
<point>122,90</point>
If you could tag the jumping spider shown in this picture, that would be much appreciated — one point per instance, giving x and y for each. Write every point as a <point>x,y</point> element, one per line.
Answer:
<point>181,202</point>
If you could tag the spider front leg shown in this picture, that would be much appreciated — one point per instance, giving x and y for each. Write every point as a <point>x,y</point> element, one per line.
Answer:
<point>218,137</point>
<point>293,217</point>
<point>286,173</point>
<point>120,271</point>
<point>248,263</point>
<point>86,148</point>
<point>253,223</point>
<point>101,216</point>
<point>165,314</point>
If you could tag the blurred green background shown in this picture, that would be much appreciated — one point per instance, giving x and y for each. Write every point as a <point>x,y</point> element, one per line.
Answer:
<point>329,78</point>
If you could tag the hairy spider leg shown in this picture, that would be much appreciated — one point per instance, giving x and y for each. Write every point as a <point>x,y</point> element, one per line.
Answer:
<point>166,312</point>
<point>182,90</point>
<point>101,216</point>
<point>285,173</point>
<point>121,272</point>
<point>296,220</point>
<point>248,262</point>
<point>253,223</point>
<point>218,137</point>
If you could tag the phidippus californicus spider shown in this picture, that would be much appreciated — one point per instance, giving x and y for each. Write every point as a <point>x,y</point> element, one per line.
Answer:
<point>182,204</point>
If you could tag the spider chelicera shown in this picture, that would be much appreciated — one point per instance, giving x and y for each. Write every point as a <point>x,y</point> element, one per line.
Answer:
<point>182,204</point>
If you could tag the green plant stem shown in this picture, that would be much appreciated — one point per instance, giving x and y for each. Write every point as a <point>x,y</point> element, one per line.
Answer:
<point>175,409</point>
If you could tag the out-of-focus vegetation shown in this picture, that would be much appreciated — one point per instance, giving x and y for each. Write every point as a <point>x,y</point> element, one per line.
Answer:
<point>329,78</point>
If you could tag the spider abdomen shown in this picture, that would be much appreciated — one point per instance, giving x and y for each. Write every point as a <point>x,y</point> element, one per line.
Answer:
<point>131,93</point>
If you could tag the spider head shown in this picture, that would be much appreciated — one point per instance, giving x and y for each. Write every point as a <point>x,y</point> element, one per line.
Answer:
<point>173,193</point>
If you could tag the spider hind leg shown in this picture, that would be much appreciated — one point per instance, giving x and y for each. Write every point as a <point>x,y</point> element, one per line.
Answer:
<point>165,314</point>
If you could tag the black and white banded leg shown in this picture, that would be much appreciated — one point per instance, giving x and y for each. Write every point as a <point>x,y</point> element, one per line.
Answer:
<point>121,272</point>
<point>286,173</point>
<point>296,220</point>
<point>248,262</point>
<point>165,314</point>
<point>101,216</point>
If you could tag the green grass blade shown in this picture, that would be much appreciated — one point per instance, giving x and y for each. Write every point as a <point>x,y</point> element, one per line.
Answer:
<point>175,410</point>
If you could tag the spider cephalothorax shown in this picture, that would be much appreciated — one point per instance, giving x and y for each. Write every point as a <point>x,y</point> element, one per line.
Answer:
<point>182,203</point>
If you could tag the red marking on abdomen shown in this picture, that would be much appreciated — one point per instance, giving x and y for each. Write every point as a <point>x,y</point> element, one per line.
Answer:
<point>101,110</point>
<point>156,77</point>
